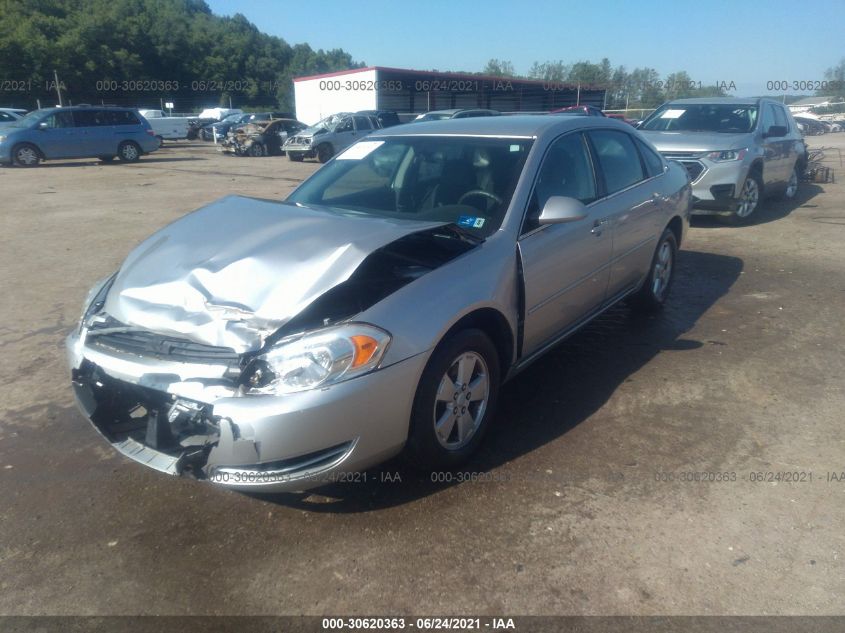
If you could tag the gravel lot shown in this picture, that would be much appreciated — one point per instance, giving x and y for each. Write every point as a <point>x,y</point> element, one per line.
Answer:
<point>742,374</point>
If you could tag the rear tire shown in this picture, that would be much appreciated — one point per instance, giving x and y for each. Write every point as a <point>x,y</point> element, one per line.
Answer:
<point>792,186</point>
<point>655,290</point>
<point>128,152</point>
<point>455,401</point>
<point>26,155</point>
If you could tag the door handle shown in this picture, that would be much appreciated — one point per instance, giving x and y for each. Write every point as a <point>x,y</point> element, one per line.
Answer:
<point>597,226</point>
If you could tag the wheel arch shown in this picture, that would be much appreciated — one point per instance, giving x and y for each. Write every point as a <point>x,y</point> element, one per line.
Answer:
<point>676,225</point>
<point>30,144</point>
<point>494,324</point>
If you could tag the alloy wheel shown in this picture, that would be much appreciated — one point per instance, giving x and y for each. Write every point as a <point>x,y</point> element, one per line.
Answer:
<point>749,198</point>
<point>662,271</point>
<point>461,401</point>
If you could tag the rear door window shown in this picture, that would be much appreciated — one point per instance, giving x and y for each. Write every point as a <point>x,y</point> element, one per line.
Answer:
<point>121,117</point>
<point>653,162</point>
<point>90,118</point>
<point>617,158</point>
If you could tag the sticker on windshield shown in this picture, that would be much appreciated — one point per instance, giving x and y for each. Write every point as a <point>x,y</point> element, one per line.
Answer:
<point>672,114</point>
<point>360,150</point>
<point>470,221</point>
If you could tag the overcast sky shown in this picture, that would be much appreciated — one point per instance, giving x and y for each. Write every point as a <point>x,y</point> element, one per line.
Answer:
<point>748,43</point>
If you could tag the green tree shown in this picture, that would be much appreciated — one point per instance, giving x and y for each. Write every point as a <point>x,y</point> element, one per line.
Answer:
<point>835,77</point>
<point>499,68</point>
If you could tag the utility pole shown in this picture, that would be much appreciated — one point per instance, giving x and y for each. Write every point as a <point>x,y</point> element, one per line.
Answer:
<point>58,90</point>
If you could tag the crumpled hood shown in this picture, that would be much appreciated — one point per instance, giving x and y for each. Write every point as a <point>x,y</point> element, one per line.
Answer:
<point>235,271</point>
<point>697,141</point>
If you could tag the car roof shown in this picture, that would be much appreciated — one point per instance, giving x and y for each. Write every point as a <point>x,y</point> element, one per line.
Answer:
<point>714,101</point>
<point>514,126</point>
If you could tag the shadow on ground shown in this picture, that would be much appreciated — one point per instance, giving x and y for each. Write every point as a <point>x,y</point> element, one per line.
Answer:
<point>556,393</point>
<point>770,209</point>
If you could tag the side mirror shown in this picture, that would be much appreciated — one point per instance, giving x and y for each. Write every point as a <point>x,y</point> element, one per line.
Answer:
<point>775,131</point>
<point>43,126</point>
<point>560,209</point>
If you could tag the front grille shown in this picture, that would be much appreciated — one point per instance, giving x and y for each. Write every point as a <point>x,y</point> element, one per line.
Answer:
<point>695,168</point>
<point>124,340</point>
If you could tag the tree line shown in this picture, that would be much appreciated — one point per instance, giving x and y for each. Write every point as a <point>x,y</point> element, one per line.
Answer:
<point>637,88</point>
<point>132,51</point>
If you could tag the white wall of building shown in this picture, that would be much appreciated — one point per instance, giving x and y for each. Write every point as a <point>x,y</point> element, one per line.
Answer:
<point>348,92</point>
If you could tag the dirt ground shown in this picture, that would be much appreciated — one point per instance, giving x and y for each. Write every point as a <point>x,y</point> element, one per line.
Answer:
<point>584,507</point>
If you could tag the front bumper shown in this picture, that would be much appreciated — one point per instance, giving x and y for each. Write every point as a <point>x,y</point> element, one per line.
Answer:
<point>307,151</point>
<point>715,186</point>
<point>179,419</point>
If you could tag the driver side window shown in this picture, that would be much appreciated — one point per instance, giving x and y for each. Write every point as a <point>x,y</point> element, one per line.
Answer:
<point>567,170</point>
<point>345,126</point>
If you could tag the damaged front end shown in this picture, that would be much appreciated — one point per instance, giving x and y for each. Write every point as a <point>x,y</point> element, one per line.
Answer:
<point>190,380</point>
<point>240,140</point>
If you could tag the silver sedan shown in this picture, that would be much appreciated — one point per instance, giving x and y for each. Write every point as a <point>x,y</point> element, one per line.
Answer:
<point>281,345</point>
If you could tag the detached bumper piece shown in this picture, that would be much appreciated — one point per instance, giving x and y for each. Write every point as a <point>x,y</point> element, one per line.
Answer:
<point>172,435</point>
<point>178,436</point>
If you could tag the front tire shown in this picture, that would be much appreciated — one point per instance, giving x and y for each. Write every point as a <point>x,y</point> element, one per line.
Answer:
<point>749,199</point>
<point>256,150</point>
<point>655,290</point>
<point>455,401</point>
<point>26,155</point>
<point>128,152</point>
<point>324,152</point>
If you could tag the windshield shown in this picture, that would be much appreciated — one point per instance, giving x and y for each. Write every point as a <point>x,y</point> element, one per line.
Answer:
<point>467,181</point>
<point>329,123</point>
<point>435,116</point>
<point>703,117</point>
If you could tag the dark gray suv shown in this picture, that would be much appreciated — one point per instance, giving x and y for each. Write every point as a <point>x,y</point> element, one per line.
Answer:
<point>735,150</point>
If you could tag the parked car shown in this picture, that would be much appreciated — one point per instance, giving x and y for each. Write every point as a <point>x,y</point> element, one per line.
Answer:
<point>386,118</point>
<point>275,346</point>
<point>330,136</point>
<point>77,132</point>
<point>261,138</point>
<point>10,115</point>
<point>222,128</point>
<point>584,110</point>
<point>736,150</point>
<point>455,113</point>
<point>811,127</point>
<point>620,117</point>
<point>166,127</point>
<point>218,114</point>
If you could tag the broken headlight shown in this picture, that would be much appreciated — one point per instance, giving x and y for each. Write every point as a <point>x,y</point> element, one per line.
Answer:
<point>96,298</point>
<point>317,359</point>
